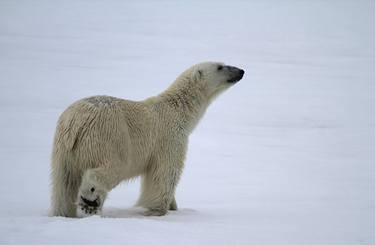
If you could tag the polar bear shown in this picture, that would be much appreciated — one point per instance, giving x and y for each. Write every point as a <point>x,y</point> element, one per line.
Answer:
<point>101,141</point>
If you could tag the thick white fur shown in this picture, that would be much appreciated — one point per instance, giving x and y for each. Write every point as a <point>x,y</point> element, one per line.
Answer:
<point>101,141</point>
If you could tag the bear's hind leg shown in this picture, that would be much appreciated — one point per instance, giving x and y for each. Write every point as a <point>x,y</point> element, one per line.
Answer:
<point>96,183</point>
<point>65,184</point>
<point>63,201</point>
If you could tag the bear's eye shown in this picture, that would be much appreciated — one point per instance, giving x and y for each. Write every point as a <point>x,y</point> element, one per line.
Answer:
<point>219,67</point>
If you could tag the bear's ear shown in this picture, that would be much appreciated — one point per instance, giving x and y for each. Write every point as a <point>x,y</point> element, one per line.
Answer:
<point>198,75</point>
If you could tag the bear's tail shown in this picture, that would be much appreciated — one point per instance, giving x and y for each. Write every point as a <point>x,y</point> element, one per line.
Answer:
<point>65,183</point>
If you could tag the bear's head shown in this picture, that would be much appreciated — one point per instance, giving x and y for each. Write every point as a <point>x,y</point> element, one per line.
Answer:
<point>215,77</point>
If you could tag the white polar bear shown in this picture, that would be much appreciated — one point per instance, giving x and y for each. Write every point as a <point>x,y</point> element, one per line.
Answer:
<point>101,141</point>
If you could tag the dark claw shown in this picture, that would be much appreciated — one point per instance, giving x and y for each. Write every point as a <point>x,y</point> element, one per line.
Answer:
<point>94,203</point>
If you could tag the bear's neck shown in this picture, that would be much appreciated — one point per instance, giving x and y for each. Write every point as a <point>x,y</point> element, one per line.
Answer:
<point>183,102</point>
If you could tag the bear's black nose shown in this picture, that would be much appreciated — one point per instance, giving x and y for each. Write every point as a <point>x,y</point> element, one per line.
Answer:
<point>236,74</point>
<point>240,75</point>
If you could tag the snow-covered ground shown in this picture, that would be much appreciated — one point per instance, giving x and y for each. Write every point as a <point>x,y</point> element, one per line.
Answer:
<point>286,156</point>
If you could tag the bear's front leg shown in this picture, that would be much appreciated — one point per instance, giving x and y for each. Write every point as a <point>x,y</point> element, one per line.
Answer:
<point>158,186</point>
<point>173,205</point>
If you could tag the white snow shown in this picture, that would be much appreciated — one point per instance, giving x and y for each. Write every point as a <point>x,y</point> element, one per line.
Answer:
<point>286,156</point>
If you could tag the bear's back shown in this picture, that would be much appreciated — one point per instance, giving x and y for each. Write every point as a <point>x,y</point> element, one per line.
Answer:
<point>107,122</point>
